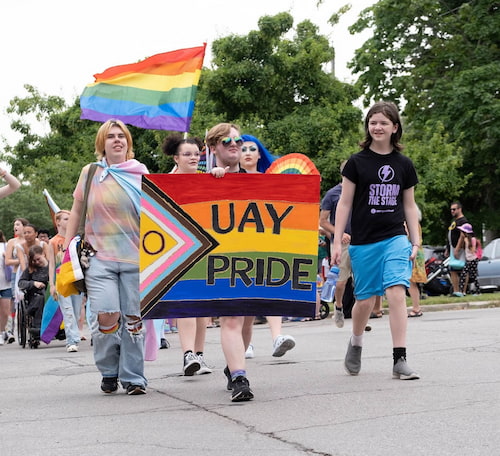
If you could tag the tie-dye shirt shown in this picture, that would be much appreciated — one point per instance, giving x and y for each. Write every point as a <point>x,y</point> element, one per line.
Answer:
<point>112,224</point>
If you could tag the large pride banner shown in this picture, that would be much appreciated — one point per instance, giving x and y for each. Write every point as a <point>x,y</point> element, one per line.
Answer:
<point>244,244</point>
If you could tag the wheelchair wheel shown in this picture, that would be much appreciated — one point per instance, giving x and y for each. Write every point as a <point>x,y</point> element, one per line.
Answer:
<point>324,310</point>
<point>22,324</point>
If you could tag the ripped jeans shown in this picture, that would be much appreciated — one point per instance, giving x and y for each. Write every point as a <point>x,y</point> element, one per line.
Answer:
<point>114,287</point>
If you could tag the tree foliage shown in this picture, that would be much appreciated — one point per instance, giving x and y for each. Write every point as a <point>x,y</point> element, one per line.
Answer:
<point>275,83</point>
<point>441,58</point>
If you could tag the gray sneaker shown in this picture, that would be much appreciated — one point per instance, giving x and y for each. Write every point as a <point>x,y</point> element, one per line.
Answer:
<point>338,318</point>
<point>402,371</point>
<point>352,362</point>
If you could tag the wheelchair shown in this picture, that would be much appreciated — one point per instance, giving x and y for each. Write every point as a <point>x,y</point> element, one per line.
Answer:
<point>28,324</point>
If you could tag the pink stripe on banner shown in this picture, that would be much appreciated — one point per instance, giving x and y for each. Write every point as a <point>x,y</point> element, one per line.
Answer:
<point>187,244</point>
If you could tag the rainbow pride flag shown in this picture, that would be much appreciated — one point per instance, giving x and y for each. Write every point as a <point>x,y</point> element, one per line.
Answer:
<point>52,318</point>
<point>246,246</point>
<point>157,93</point>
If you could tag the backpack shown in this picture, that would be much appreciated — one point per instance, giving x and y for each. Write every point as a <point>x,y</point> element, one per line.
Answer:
<point>479,249</point>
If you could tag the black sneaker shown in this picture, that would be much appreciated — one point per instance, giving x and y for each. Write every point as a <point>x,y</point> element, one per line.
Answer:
<point>229,379</point>
<point>109,384</point>
<point>134,390</point>
<point>241,390</point>
<point>164,343</point>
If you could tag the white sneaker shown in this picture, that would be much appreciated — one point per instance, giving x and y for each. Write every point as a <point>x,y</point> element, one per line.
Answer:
<point>72,348</point>
<point>282,344</point>
<point>249,353</point>
<point>10,337</point>
<point>204,369</point>
<point>191,364</point>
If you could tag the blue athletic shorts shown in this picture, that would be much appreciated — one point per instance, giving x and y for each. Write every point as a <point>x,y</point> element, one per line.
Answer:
<point>380,265</point>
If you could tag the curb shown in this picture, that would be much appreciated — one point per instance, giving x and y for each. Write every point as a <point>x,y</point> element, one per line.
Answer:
<point>459,306</point>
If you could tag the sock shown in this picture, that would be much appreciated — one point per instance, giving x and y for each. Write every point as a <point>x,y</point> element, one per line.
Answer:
<point>357,341</point>
<point>188,351</point>
<point>109,329</point>
<point>398,352</point>
<point>338,308</point>
<point>237,373</point>
<point>199,353</point>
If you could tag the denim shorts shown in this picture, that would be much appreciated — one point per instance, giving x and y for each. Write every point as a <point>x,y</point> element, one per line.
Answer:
<point>380,265</point>
<point>6,294</point>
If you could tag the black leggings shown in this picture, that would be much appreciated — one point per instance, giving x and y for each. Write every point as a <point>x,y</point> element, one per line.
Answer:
<point>470,269</point>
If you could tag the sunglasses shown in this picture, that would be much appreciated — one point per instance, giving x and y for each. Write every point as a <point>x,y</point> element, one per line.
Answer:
<point>226,142</point>
<point>251,149</point>
<point>453,209</point>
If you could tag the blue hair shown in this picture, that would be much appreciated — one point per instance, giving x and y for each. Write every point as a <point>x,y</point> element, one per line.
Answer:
<point>266,158</point>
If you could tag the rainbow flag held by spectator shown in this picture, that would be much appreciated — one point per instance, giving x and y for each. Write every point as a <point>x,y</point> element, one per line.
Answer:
<point>157,93</point>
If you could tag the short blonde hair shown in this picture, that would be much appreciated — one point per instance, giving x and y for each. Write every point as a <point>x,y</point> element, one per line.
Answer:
<point>102,134</point>
<point>219,131</point>
<point>60,214</point>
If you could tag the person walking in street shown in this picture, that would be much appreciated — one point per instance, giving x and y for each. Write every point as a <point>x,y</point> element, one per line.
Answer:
<point>112,280</point>
<point>225,142</point>
<point>327,222</point>
<point>378,187</point>
<point>71,305</point>
<point>186,153</point>
<point>255,158</point>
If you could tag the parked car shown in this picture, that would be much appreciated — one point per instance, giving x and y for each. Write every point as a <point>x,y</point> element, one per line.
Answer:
<point>489,267</point>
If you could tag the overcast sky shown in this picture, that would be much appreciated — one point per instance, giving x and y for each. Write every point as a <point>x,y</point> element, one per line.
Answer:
<point>57,46</point>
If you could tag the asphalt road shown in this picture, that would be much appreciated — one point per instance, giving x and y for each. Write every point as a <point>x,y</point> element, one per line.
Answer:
<point>305,404</point>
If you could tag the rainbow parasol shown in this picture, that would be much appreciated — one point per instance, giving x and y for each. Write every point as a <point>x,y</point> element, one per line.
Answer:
<point>292,164</point>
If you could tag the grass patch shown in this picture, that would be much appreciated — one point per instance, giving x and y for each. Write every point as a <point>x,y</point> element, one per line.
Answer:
<point>430,300</point>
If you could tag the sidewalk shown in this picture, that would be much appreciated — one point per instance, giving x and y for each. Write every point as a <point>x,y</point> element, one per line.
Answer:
<point>304,403</point>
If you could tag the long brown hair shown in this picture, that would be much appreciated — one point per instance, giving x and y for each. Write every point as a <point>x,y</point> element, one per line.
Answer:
<point>389,110</point>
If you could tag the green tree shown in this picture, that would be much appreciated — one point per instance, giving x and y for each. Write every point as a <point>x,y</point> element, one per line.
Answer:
<point>442,59</point>
<point>278,89</point>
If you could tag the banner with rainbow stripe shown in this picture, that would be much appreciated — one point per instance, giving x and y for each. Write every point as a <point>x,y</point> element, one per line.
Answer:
<point>157,93</point>
<point>246,244</point>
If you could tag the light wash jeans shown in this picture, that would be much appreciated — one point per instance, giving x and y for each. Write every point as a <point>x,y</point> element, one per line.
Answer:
<point>114,287</point>
<point>71,307</point>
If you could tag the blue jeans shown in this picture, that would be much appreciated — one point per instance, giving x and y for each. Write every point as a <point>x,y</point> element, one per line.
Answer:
<point>114,287</point>
<point>71,308</point>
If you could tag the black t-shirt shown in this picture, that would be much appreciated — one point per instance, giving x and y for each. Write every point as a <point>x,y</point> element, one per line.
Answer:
<point>454,231</point>
<point>377,209</point>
